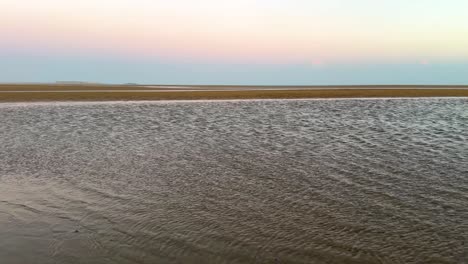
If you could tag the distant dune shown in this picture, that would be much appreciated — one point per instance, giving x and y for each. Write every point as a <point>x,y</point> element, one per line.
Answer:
<point>95,92</point>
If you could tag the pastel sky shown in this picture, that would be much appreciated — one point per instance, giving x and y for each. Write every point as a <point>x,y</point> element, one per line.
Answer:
<point>294,42</point>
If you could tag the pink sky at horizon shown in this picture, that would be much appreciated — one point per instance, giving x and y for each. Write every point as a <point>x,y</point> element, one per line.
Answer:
<point>237,33</point>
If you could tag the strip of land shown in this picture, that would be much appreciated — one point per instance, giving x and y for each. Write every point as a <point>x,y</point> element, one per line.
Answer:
<point>56,92</point>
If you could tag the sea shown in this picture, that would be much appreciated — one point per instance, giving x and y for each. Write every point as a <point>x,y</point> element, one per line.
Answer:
<point>242,181</point>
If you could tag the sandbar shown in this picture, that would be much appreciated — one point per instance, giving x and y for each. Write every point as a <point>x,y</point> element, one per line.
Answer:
<point>54,92</point>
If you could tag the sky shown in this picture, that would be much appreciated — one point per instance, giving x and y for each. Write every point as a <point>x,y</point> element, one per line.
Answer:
<point>268,42</point>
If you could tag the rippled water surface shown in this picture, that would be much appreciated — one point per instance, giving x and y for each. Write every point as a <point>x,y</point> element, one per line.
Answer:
<point>301,181</point>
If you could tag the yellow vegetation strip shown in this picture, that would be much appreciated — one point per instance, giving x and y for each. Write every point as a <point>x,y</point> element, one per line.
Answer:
<point>102,95</point>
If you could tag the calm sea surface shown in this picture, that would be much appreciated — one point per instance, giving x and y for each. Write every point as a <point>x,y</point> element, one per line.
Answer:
<point>287,181</point>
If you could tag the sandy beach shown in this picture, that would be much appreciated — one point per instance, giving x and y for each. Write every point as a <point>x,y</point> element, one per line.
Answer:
<point>53,92</point>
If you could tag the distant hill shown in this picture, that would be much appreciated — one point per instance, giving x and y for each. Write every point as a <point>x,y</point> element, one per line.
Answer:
<point>77,83</point>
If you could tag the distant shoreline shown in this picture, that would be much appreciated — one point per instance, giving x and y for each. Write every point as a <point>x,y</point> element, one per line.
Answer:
<point>92,92</point>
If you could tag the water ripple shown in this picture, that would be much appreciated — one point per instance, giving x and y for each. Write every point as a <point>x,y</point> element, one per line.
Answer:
<point>300,181</point>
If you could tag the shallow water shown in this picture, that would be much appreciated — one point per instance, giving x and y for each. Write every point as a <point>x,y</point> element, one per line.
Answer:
<point>287,181</point>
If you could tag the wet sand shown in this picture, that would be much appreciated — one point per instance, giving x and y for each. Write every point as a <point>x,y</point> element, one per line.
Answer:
<point>53,92</point>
